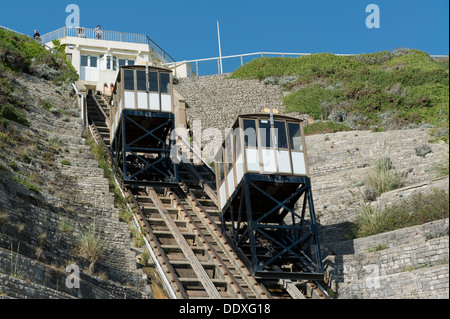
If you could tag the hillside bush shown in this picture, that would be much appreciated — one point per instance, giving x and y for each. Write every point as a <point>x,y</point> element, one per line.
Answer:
<point>23,54</point>
<point>407,84</point>
<point>418,209</point>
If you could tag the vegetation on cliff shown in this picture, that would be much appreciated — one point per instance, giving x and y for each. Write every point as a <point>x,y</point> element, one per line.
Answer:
<point>22,54</point>
<point>384,90</point>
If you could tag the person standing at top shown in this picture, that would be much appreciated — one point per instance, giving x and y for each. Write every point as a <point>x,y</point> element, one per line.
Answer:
<point>98,33</point>
<point>37,36</point>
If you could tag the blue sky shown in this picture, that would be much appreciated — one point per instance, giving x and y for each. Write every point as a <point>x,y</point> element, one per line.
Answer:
<point>186,29</point>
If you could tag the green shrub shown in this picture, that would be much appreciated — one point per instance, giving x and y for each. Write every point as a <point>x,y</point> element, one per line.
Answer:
<point>419,209</point>
<point>309,100</point>
<point>91,246</point>
<point>12,113</point>
<point>382,177</point>
<point>54,141</point>
<point>21,53</point>
<point>27,184</point>
<point>409,84</point>
<point>442,168</point>
<point>66,163</point>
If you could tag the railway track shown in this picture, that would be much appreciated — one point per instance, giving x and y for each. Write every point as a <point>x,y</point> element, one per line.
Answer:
<point>181,225</point>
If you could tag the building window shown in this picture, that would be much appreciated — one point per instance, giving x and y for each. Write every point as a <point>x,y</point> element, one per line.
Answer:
<point>108,62</point>
<point>84,60</point>
<point>93,61</point>
<point>125,62</point>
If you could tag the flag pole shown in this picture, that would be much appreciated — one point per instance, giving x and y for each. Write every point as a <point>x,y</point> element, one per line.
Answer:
<point>220,48</point>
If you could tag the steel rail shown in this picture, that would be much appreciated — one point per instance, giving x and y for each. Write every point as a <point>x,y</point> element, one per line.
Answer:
<point>139,219</point>
<point>260,291</point>
<point>240,293</point>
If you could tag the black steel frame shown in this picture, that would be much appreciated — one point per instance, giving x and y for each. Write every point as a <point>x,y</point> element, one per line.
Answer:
<point>296,243</point>
<point>128,156</point>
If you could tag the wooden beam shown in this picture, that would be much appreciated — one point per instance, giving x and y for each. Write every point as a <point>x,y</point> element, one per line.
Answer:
<point>184,246</point>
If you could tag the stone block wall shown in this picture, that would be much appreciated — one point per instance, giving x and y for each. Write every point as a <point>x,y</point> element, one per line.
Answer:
<point>44,226</point>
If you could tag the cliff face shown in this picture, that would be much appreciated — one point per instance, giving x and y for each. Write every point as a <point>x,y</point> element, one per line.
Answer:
<point>407,263</point>
<point>52,192</point>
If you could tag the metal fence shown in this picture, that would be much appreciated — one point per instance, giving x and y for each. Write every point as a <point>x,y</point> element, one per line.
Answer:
<point>229,64</point>
<point>107,35</point>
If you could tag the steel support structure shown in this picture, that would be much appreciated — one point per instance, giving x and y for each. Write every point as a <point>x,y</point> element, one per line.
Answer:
<point>141,149</point>
<point>260,221</point>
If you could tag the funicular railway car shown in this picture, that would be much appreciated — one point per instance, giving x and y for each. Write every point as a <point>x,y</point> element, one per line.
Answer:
<point>141,122</point>
<point>262,174</point>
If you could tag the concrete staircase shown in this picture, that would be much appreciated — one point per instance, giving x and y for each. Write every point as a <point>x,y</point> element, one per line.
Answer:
<point>97,117</point>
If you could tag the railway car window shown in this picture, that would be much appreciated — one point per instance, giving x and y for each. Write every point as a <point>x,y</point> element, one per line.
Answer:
<point>237,141</point>
<point>165,83</point>
<point>220,166</point>
<point>250,133</point>
<point>153,79</point>
<point>280,134</point>
<point>295,137</point>
<point>228,153</point>
<point>141,81</point>
<point>264,133</point>
<point>128,80</point>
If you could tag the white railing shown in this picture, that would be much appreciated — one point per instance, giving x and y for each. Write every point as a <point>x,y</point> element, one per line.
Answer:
<point>107,36</point>
<point>233,62</point>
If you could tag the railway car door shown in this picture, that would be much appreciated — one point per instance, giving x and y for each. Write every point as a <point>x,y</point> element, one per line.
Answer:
<point>154,91</point>
<point>166,92</point>
<point>141,87</point>
<point>128,86</point>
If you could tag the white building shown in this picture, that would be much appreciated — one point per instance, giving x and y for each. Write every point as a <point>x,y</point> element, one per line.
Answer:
<point>97,55</point>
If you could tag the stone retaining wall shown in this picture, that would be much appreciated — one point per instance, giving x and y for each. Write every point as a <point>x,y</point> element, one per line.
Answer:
<point>45,226</point>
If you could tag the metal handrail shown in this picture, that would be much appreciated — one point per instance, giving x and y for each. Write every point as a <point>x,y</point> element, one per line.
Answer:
<point>283,54</point>
<point>174,65</point>
<point>83,106</point>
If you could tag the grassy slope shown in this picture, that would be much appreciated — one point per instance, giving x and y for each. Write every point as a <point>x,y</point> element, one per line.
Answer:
<point>22,54</point>
<point>388,90</point>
